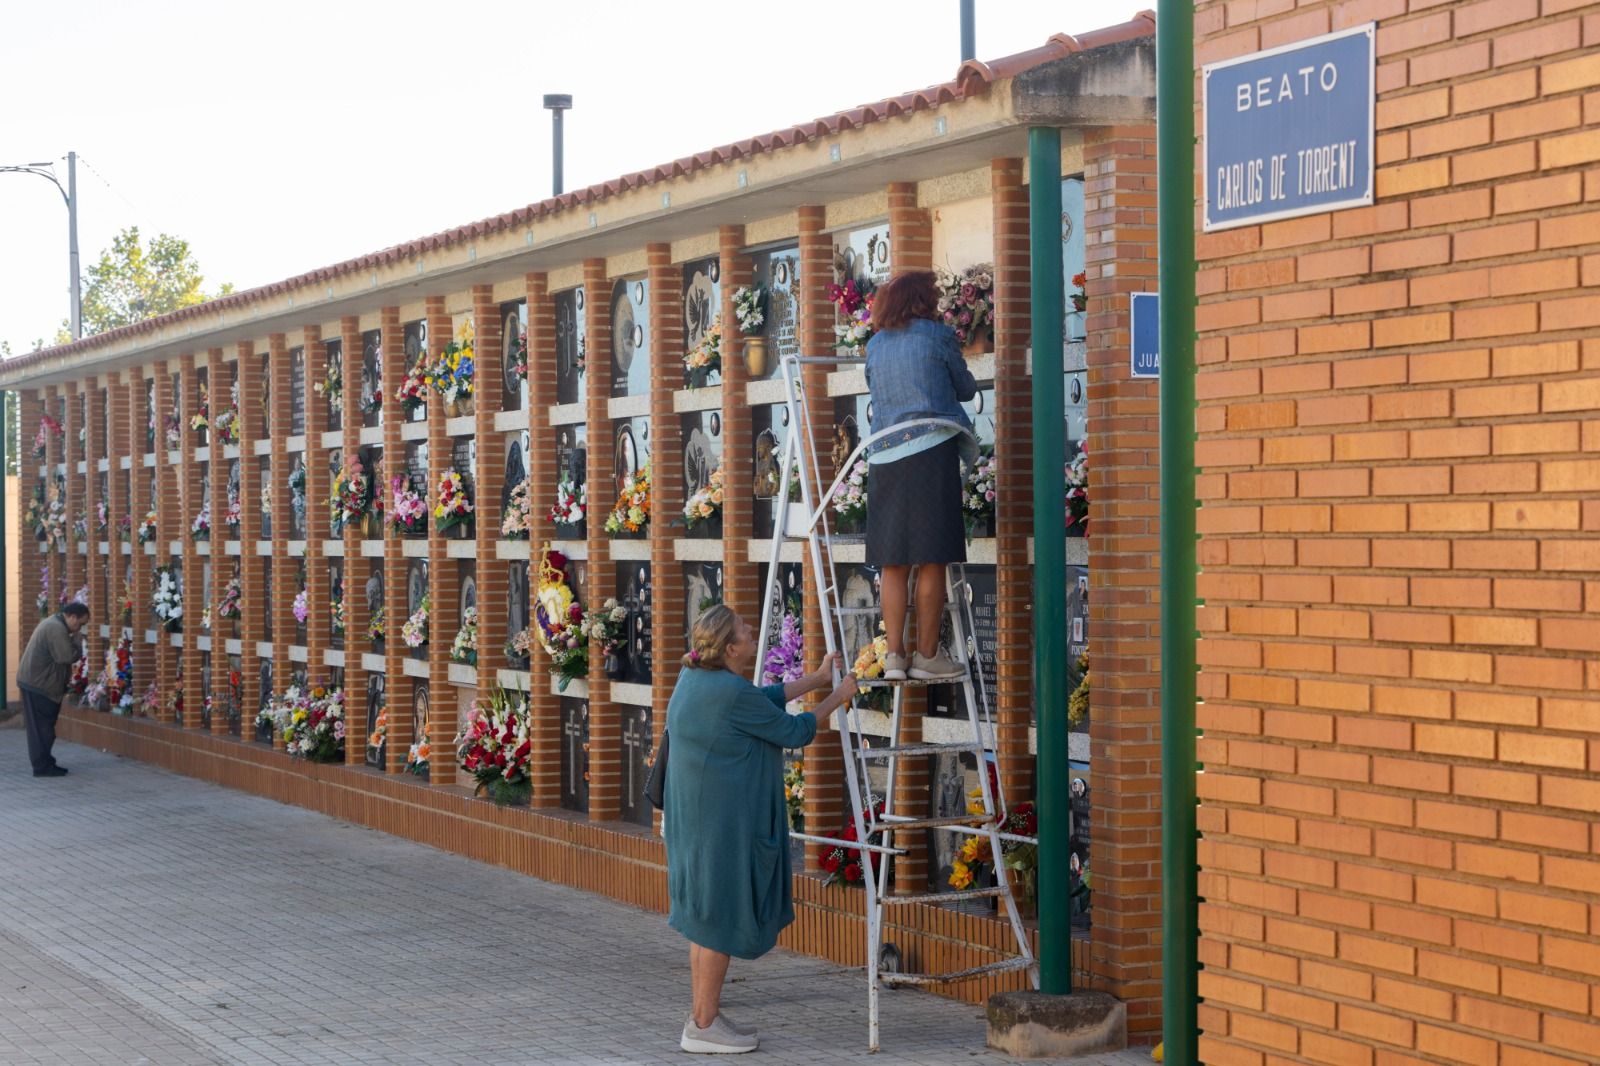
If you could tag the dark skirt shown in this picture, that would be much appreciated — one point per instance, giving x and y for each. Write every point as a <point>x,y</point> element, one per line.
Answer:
<point>914,509</point>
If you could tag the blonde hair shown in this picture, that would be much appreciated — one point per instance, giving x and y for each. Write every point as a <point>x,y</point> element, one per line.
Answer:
<point>708,642</point>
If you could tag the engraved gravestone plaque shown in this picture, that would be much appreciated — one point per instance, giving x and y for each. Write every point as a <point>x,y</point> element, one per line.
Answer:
<point>948,700</point>
<point>416,589</point>
<point>517,608</point>
<point>636,752</point>
<point>208,700</point>
<point>630,338</point>
<point>264,697</point>
<point>420,702</point>
<point>1078,841</point>
<point>297,497</point>
<point>779,270</point>
<point>263,501</point>
<point>571,346</point>
<point>372,378</point>
<point>633,593</point>
<point>575,754</point>
<point>336,593</point>
<point>702,590</point>
<point>376,701</point>
<point>513,335</point>
<point>515,471</point>
<point>334,351</point>
<point>297,391</point>
<point>416,342</point>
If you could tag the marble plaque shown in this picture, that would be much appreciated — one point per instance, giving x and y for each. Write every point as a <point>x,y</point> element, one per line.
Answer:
<point>630,450</point>
<point>633,593</point>
<point>513,323</point>
<point>863,254</point>
<point>948,700</point>
<point>263,697</point>
<point>517,607</point>
<point>235,695</point>
<point>297,501</point>
<point>770,429</point>
<point>779,271</point>
<point>416,342</point>
<point>335,356</point>
<point>421,701</point>
<point>954,776</point>
<point>336,591</point>
<point>297,391</point>
<point>571,346</point>
<point>266,597</point>
<point>1077,626</point>
<point>702,306</point>
<point>263,478</point>
<point>702,590</point>
<point>372,376</point>
<point>636,751</point>
<point>702,457</point>
<point>575,754</point>
<point>377,699</point>
<point>630,338</point>
<point>515,470</point>
<point>207,690</point>
<point>1078,841</point>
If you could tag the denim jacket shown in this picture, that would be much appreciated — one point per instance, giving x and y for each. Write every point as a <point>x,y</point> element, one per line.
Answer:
<point>918,372</point>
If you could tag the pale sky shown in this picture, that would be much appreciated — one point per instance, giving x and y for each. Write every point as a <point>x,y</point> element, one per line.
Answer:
<point>283,137</point>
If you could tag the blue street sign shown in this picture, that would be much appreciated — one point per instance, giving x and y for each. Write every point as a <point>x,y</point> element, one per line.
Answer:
<point>1289,131</point>
<point>1145,343</point>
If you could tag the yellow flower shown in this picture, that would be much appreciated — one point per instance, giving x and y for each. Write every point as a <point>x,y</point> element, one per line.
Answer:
<point>960,875</point>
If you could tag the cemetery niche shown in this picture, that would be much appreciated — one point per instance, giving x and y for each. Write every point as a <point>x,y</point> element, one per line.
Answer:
<point>702,457</point>
<point>377,704</point>
<point>630,338</point>
<point>633,594</point>
<point>636,750</point>
<point>575,754</point>
<point>571,346</point>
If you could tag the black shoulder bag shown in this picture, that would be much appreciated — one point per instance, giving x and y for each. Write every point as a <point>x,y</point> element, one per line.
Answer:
<point>655,786</point>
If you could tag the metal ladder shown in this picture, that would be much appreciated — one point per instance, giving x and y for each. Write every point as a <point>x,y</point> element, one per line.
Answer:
<point>801,460</point>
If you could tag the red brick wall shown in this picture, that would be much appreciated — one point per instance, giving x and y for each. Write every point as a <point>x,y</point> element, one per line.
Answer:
<point>397,686</point>
<point>1399,566</point>
<point>1120,233</point>
<point>605,724</point>
<point>544,704</point>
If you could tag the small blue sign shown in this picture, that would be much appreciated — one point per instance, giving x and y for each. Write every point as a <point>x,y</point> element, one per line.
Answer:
<point>1289,131</point>
<point>1145,346</point>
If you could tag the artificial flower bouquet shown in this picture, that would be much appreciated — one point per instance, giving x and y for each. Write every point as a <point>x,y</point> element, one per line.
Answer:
<point>230,606</point>
<point>147,528</point>
<point>454,505</point>
<point>978,494</point>
<point>750,309</point>
<point>571,506</point>
<point>853,302</point>
<point>414,631</point>
<point>966,301</point>
<point>516,519</point>
<point>413,390</point>
<point>844,864</point>
<point>352,495</point>
<point>495,746</point>
<point>167,603</point>
<point>850,498</point>
<point>632,510</point>
<point>409,512</point>
<point>311,723</point>
<point>451,375</point>
<point>517,355</point>
<point>558,621</point>
<point>1078,491</point>
<point>705,503</point>
<point>706,356</point>
<point>464,649</point>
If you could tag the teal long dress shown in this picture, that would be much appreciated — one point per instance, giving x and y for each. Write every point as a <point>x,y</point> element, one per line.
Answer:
<point>725,821</point>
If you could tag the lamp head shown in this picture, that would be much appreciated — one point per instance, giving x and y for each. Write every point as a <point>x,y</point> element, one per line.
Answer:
<point>558,101</point>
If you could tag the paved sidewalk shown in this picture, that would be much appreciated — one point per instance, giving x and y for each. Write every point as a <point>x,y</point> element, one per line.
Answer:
<point>151,918</point>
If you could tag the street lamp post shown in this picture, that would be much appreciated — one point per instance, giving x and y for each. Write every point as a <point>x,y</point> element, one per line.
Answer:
<point>70,195</point>
<point>556,104</point>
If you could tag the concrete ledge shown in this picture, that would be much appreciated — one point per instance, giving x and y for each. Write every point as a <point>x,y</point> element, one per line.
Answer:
<point>1033,1025</point>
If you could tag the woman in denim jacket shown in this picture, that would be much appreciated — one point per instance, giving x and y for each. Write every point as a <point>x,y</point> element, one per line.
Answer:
<point>915,370</point>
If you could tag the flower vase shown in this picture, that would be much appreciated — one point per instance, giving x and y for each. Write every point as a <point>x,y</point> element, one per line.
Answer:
<point>507,794</point>
<point>575,531</point>
<point>707,528</point>
<point>372,525</point>
<point>612,665</point>
<point>977,343</point>
<point>755,356</point>
<point>797,523</point>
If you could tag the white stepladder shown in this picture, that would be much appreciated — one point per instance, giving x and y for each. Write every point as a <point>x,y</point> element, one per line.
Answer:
<point>871,821</point>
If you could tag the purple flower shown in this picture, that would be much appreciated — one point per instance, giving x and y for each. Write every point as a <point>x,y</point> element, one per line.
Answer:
<point>785,659</point>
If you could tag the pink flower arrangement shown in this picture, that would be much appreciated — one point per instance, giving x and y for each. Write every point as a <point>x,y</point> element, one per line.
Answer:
<point>410,510</point>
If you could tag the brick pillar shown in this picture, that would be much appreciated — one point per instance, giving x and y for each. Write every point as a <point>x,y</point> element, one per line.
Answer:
<point>397,688</point>
<point>219,378</point>
<point>191,492</point>
<point>169,527</point>
<point>31,562</point>
<point>605,725</point>
<point>826,798</point>
<point>136,492</point>
<point>252,568</point>
<point>741,578</point>
<point>666,434</point>
<point>544,704</point>
<point>94,562</point>
<point>494,586</point>
<point>1120,233</point>
<point>443,584</point>
<point>72,496</point>
<point>911,244</point>
<point>356,565</point>
<point>117,505</point>
<point>1013,402</point>
<point>319,484</point>
<point>285,581</point>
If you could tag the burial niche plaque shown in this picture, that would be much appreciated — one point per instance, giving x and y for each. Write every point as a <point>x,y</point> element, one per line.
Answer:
<point>636,751</point>
<point>575,754</point>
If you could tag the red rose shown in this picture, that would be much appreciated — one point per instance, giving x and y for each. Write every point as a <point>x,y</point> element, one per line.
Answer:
<point>830,861</point>
<point>852,872</point>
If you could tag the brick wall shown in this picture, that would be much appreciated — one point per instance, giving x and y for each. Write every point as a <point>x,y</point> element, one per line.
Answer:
<point>1120,230</point>
<point>1399,564</point>
<point>544,704</point>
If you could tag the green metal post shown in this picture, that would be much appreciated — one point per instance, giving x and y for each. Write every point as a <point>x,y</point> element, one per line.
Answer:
<point>1175,190</point>
<point>1049,556</point>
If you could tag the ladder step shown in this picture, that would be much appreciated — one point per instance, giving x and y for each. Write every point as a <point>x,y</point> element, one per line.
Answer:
<point>946,897</point>
<point>944,822</point>
<point>1004,966</point>
<point>920,749</point>
<point>910,682</point>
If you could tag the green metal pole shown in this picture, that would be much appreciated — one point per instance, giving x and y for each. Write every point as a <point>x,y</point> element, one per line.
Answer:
<point>1049,557</point>
<point>1175,184</point>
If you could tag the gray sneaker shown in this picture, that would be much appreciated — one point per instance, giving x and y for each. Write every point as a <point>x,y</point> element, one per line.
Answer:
<point>939,668</point>
<point>742,1030</point>
<point>894,667</point>
<point>718,1038</point>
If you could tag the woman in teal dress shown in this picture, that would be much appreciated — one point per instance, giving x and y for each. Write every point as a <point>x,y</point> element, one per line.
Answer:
<point>724,816</point>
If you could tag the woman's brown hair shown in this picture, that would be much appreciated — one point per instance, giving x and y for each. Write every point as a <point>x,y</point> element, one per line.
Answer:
<point>708,641</point>
<point>905,296</point>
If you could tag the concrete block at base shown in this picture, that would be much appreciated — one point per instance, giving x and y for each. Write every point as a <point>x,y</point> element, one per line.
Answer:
<point>1033,1025</point>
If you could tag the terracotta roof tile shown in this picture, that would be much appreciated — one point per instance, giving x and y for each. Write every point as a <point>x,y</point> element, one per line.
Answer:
<point>973,78</point>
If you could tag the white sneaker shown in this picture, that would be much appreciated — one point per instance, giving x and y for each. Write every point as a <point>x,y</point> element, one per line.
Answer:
<point>894,667</point>
<point>938,668</point>
<point>742,1030</point>
<point>718,1038</point>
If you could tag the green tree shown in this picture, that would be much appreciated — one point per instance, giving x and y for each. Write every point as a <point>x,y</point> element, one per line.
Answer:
<point>134,281</point>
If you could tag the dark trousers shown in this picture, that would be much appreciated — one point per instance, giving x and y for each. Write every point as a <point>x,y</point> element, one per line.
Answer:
<point>39,717</point>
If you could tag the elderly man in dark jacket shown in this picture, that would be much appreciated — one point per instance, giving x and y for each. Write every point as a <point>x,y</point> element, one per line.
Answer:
<point>42,676</point>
